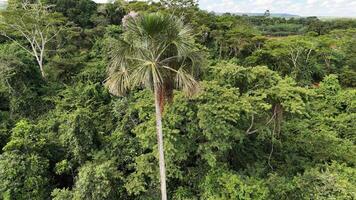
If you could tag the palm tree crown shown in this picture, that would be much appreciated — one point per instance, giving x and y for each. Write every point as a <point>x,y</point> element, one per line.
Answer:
<point>156,50</point>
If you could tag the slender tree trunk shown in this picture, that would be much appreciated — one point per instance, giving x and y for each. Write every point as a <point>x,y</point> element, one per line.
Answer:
<point>162,167</point>
<point>41,69</point>
<point>39,60</point>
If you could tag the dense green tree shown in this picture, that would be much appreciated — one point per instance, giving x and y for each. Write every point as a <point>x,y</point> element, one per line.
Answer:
<point>95,182</point>
<point>24,164</point>
<point>112,13</point>
<point>21,83</point>
<point>293,56</point>
<point>179,3</point>
<point>79,12</point>
<point>24,176</point>
<point>223,185</point>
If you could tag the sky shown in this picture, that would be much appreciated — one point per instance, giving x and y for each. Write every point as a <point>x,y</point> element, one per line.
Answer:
<point>333,8</point>
<point>340,8</point>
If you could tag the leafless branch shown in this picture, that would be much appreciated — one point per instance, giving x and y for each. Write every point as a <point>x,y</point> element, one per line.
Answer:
<point>249,132</point>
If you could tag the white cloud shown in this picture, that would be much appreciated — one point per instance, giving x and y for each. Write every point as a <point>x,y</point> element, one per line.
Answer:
<point>345,8</point>
<point>301,7</point>
<point>101,1</point>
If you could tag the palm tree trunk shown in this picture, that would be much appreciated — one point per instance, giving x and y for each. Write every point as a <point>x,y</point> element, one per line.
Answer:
<point>162,167</point>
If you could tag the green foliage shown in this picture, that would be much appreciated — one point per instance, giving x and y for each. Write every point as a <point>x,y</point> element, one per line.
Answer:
<point>327,182</point>
<point>79,11</point>
<point>21,93</point>
<point>62,194</point>
<point>24,176</point>
<point>282,29</point>
<point>292,56</point>
<point>84,119</point>
<point>26,138</point>
<point>222,184</point>
<point>31,26</point>
<point>218,116</point>
<point>179,3</point>
<point>273,117</point>
<point>98,181</point>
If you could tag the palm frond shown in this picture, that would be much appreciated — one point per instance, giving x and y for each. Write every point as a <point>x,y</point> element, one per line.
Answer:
<point>186,82</point>
<point>118,83</point>
<point>118,54</point>
<point>154,50</point>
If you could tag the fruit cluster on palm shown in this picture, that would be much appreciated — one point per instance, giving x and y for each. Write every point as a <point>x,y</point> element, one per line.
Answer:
<point>158,52</point>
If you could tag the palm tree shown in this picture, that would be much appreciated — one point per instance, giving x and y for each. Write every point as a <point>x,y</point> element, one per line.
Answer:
<point>158,52</point>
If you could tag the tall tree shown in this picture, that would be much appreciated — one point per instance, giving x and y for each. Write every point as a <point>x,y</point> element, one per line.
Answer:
<point>158,52</point>
<point>36,24</point>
